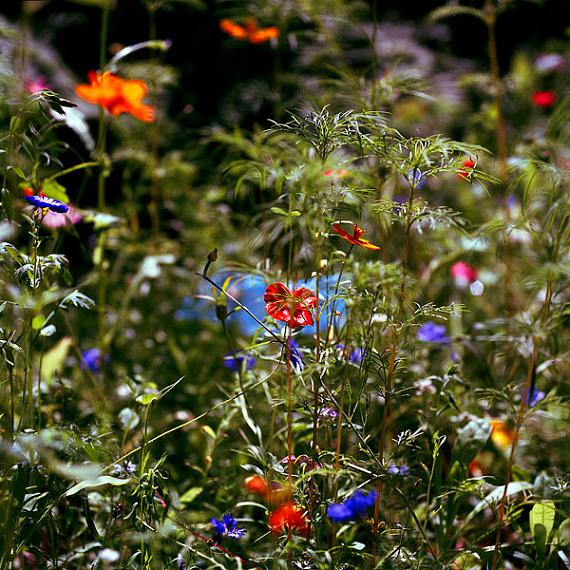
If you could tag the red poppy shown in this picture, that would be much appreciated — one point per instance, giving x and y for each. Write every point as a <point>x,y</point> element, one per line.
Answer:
<point>116,95</point>
<point>468,165</point>
<point>291,307</point>
<point>544,98</point>
<point>355,238</point>
<point>256,484</point>
<point>276,494</point>
<point>288,516</point>
<point>251,32</point>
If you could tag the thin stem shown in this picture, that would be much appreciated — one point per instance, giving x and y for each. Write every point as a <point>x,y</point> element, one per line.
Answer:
<point>519,421</point>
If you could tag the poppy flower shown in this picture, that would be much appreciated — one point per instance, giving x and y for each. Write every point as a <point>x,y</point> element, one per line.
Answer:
<point>42,201</point>
<point>468,165</point>
<point>275,494</point>
<point>501,435</point>
<point>291,307</point>
<point>251,32</point>
<point>543,98</point>
<point>355,238</point>
<point>117,95</point>
<point>288,516</point>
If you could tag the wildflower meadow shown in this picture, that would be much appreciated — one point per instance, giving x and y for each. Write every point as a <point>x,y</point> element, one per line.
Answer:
<point>285,284</point>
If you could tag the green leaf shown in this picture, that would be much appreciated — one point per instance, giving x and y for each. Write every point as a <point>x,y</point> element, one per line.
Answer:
<point>541,519</point>
<point>54,359</point>
<point>191,494</point>
<point>146,399</point>
<point>53,189</point>
<point>99,482</point>
<point>495,496</point>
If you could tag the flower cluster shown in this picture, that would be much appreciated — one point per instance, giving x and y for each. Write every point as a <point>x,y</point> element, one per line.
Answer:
<point>352,508</point>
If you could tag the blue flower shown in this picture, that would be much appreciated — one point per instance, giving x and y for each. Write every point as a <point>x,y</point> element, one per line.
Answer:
<point>44,202</point>
<point>430,332</point>
<point>227,527</point>
<point>235,361</point>
<point>91,359</point>
<point>355,355</point>
<point>532,398</point>
<point>297,362</point>
<point>353,507</point>
<point>394,469</point>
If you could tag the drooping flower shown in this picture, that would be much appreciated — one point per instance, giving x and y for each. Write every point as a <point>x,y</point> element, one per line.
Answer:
<point>288,516</point>
<point>116,95</point>
<point>353,507</point>
<point>227,527</point>
<point>42,201</point>
<point>296,356</point>
<point>463,274</point>
<point>468,164</point>
<point>235,361</point>
<point>55,220</point>
<point>251,32</point>
<point>532,398</point>
<point>543,98</point>
<point>355,238</point>
<point>431,332</point>
<point>291,307</point>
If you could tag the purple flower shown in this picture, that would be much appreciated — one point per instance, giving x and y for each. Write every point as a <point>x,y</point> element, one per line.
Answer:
<point>91,360</point>
<point>235,361</point>
<point>227,527</point>
<point>328,413</point>
<point>40,201</point>
<point>394,469</point>
<point>532,398</point>
<point>297,362</point>
<point>430,332</point>
<point>355,355</point>
<point>353,507</point>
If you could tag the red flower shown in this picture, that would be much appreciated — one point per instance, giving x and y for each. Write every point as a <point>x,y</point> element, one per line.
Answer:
<point>544,98</point>
<point>288,516</point>
<point>251,32</point>
<point>291,307</point>
<point>355,238</point>
<point>464,274</point>
<point>275,495</point>
<point>336,172</point>
<point>117,95</point>
<point>468,164</point>
<point>256,484</point>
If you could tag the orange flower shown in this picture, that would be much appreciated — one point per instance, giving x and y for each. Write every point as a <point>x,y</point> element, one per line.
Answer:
<point>250,32</point>
<point>501,435</point>
<point>116,95</point>
<point>355,238</point>
<point>288,516</point>
<point>258,485</point>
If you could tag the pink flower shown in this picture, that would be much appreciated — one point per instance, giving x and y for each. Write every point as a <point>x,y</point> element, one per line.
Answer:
<point>54,221</point>
<point>36,85</point>
<point>463,274</point>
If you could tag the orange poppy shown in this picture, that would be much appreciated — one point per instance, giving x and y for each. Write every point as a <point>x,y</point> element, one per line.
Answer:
<point>355,238</point>
<point>251,32</point>
<point>288,516</point>
<point>117,95</point>
<point>274,495</point>
<point>501,435</point>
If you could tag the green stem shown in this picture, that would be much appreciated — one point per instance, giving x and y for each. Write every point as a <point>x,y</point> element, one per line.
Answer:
<point>71,169</point>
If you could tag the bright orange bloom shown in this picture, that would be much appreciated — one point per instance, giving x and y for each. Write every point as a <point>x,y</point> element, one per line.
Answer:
<point>501,435</point>
<point>274,495</point>
<point>117,95</point>
<point>250,32</point>
<point>288,516</point>
<point>355,238</point>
